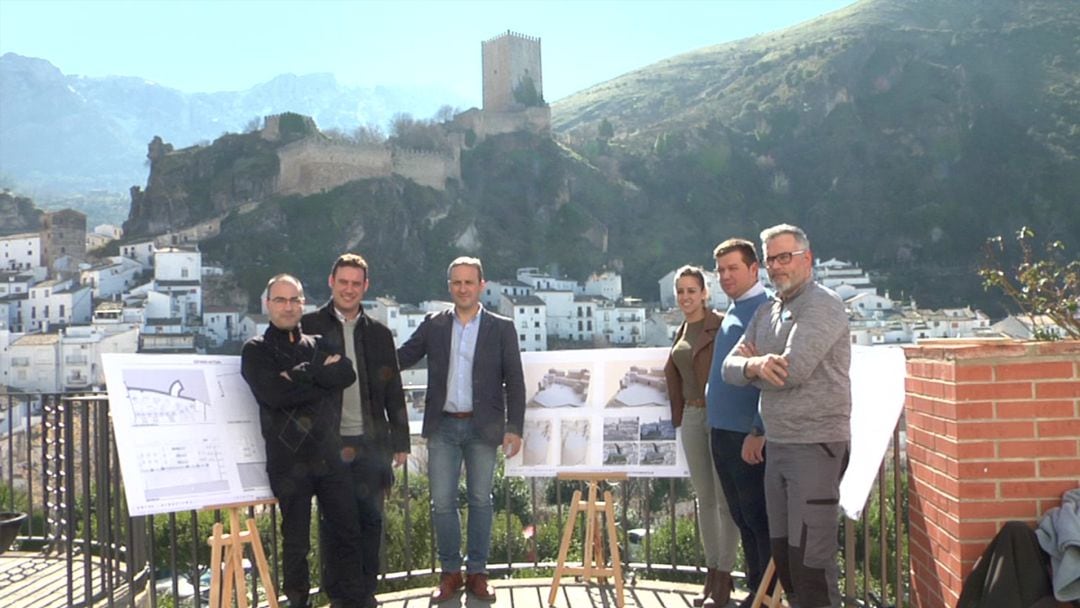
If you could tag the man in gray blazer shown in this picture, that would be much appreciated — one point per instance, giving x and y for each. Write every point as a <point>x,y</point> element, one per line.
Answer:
<point>475,403</point>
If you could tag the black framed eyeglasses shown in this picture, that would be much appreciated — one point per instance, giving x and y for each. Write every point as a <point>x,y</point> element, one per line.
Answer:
<point>782,258</point>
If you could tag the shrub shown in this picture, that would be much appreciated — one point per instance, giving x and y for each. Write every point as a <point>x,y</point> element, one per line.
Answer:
<point>1040,288</point>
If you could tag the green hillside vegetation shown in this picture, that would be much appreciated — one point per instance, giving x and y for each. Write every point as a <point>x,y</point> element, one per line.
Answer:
<point>901,134</point>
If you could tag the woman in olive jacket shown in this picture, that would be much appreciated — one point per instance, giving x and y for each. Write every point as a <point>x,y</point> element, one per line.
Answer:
<point>687,371</point>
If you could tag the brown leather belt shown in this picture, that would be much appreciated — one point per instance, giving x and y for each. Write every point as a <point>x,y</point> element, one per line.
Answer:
<point>458,415</point>
<point>695,403</point>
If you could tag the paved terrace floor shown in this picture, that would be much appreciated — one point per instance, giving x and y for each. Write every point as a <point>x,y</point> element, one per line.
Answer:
<point>533,593</point>
<point>34,581</point>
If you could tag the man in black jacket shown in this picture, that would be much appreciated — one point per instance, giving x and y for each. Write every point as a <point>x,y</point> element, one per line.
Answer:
<point>295,380</point>
<point>374,419</point>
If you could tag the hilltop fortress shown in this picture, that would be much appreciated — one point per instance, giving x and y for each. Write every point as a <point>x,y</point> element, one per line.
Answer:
<point>513,101</point>
<point>204,183</point>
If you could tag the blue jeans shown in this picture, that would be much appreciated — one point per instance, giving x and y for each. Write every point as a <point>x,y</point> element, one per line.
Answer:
<point>452,442</point>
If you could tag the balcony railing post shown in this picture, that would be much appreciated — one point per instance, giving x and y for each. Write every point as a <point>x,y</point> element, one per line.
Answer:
<point>900,516</point>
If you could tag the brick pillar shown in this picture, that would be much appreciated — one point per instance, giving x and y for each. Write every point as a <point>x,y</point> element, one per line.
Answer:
<point>993,434</point>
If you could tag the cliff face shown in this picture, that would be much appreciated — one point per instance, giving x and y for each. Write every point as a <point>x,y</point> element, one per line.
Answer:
<point>18,215</point>
<point>198,183</point>
<point>521,198</point>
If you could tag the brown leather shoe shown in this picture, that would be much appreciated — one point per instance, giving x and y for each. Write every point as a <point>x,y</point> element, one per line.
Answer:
<point>719,594</point>
<point>699,599</point>
<point>477,584</point>
<point>449,584</point>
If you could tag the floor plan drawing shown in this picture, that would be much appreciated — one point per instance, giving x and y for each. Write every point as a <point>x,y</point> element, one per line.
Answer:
<point>167,397</point>
<point>187,432</point>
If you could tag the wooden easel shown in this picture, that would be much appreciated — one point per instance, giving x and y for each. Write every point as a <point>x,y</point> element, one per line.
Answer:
<point>762,597</point>
<point>227,555</point>
<point>593,565</point>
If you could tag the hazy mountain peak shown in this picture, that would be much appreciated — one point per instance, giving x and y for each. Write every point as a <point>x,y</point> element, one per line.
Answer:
<point>65,133</point>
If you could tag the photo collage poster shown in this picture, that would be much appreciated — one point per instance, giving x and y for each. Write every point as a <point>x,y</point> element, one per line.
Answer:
<point>603,410</point>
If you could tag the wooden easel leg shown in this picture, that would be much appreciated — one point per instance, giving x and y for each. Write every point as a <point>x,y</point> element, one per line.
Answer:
<point>216,540</point>
<point>762,595</point>
<point>589,562</point>
<point>234,555</point>
<point>564,547</point>
<point>613,540</point>
<point>262,564</point>
<point>227,563</point>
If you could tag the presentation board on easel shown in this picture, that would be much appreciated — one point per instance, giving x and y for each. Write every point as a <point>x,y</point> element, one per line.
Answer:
<point>187,432</point>
<point>607,411</point>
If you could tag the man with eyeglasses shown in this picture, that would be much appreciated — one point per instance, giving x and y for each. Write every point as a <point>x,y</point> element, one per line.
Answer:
<point>374,419</point>
<point>296,379</point>
<point>797,350</point>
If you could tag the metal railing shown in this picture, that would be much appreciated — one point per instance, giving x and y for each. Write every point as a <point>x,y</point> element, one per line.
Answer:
<point>60,468</point>
<point>58,463</point>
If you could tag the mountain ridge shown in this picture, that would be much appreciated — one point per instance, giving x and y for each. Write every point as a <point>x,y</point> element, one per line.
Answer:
<point>67,133</point>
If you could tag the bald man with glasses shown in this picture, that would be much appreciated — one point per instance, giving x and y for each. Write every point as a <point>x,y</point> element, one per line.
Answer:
<point>297,381</point>
<point>797,350</point>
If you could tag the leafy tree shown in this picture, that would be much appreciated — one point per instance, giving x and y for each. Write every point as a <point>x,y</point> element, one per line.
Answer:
<point>445,113</point>
<point>420,134</point>
<point>369,134</point>
<point>526,93</point>
<point>1047,287</point>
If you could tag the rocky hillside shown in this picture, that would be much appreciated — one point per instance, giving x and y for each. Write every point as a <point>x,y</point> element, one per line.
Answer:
<point>522,198</point>
<point>18,215</point>
<point>899,133</point>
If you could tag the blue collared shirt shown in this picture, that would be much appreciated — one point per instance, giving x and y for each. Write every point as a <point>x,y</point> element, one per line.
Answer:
<point>459,389</point>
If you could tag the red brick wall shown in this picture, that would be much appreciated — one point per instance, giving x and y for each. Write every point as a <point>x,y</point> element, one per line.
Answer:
<point>993,434</point>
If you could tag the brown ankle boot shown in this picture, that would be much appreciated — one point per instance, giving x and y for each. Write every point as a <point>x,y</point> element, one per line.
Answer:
<point>720,592</point>
<point>699,600</point>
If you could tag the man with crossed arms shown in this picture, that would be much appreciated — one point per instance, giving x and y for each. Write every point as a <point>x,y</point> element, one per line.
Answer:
<point>797,350</point>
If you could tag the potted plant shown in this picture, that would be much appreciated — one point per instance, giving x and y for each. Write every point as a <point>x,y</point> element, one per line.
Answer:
<point>10,524</point>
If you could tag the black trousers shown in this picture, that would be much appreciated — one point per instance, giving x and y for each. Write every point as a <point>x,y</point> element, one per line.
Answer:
<point>744,487</point>
<point>294,488</point>
<point>370,476</point>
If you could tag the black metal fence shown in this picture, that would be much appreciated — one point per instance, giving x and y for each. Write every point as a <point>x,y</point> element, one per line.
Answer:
<point>59,465</point>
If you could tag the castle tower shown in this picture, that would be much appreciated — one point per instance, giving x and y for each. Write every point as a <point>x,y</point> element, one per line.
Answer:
<point>512,76</point>
<point>63,233</point>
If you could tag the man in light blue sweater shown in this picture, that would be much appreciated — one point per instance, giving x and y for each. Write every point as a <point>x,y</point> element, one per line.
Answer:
<point>737,432</point>
<point>797,350</point>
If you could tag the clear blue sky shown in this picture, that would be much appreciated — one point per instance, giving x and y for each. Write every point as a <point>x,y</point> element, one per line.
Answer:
<point>207,46</point>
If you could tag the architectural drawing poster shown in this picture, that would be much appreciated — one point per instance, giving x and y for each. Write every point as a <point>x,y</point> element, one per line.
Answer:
<point>187,432</point>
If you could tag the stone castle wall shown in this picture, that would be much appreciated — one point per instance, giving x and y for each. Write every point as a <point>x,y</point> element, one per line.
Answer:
<point>486,123</point>
<point>309,166</point>
<point>430,169</point>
